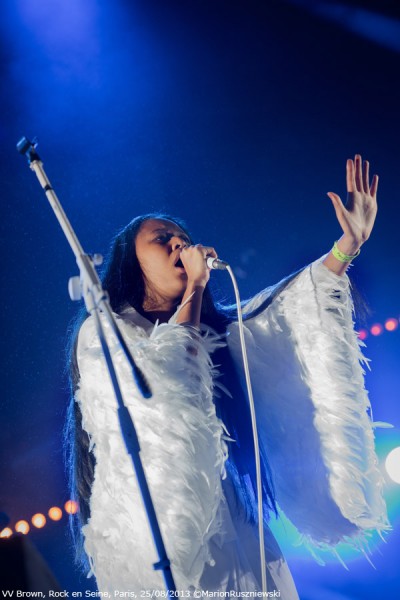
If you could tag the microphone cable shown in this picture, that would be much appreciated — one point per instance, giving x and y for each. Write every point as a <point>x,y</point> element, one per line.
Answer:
<point>254,429</point>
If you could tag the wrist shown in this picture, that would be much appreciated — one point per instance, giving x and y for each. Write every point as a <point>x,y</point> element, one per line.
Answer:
<point>196,285</point>
<point>349,245</point>
<point>190,311</point>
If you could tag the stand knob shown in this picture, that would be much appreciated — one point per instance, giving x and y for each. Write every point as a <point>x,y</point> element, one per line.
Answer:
<point>74,288</point>
<point>97,259</point>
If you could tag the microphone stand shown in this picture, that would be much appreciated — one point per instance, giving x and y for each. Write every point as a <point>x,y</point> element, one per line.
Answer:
<point>96,300</point>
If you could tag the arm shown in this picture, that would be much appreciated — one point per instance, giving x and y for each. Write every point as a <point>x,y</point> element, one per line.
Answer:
<point>358,216</point>
<point>313,409</point>
<point>182,448</point>
<point>198,274</point>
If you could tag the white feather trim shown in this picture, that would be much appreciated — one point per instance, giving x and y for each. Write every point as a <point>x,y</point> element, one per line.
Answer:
<point>313,408</point>
<point>182,448</point>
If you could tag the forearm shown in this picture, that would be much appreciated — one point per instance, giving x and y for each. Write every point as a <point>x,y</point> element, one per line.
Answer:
<point>190,313</point>
<point>347,245</point>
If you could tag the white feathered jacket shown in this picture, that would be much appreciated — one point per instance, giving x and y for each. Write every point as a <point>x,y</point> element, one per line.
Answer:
<point>313,418</point>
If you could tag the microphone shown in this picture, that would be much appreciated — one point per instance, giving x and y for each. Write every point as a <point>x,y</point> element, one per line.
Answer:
<point>216,263</point>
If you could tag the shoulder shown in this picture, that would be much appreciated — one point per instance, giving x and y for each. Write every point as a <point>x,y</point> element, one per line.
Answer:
<point>87,334</point>
<point>129,321</point>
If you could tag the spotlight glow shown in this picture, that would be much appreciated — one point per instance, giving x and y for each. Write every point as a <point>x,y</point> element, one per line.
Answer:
<point>38,520</point>
<point>392,464</point>
<point>363,334</point>
<point>22,527</point>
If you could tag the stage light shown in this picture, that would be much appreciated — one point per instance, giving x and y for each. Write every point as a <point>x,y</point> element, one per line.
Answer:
<point>366,21</point>
<point>6,532</point>
<point>391,324</point>
<point>376,329</point>
<point>22,527</point>
<point>38,520</point>
<point>363,334</point>
<point>392,464</point>
<point>55,513</point>
<point>71,507</point>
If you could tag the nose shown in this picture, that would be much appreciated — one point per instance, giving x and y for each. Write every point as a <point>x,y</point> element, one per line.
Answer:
<point>178,242</point>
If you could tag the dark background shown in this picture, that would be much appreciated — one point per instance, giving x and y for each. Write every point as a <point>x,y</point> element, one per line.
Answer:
<point>238,117</point>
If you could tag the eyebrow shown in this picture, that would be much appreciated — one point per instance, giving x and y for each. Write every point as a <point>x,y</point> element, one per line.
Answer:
<point>168,230</point>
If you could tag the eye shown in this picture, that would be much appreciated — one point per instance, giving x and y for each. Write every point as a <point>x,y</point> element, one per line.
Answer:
<point>163,239</point>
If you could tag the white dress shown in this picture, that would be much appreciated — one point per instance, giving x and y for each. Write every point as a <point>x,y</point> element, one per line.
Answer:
<point>313,418</point>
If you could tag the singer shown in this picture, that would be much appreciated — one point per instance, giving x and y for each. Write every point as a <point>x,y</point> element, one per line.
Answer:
<point>317,445</point>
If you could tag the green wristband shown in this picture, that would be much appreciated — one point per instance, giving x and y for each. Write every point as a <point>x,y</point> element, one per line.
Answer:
<point>344,258</point>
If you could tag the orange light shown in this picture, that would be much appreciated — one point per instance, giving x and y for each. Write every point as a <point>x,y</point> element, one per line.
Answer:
<point>391,324</point>
<point>38,520</point>
<point>6,532</point>
<point>363,334</point>
<point>376,329</point>
<point>22,527</point>
<point>55,513</point>
<point>71,507</point>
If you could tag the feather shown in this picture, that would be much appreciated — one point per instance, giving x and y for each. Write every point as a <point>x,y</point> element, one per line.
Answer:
<point>313,409</point>
<point>183,449</point>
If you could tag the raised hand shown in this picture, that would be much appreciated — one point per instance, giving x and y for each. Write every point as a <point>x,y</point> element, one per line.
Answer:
<point>357,217</point>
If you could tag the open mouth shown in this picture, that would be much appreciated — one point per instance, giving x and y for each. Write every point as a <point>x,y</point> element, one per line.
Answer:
<point>179,264</point>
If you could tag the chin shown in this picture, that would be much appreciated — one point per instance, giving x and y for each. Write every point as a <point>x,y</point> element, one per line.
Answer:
<point>179,291</point>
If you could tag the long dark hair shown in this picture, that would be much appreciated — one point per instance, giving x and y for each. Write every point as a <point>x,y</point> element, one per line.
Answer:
<point>122,278</point>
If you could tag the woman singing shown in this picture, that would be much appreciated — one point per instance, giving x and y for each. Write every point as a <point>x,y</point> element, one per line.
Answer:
<point>318,460</point>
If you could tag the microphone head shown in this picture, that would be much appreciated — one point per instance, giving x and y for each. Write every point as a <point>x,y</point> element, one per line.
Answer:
<point>216,263</point>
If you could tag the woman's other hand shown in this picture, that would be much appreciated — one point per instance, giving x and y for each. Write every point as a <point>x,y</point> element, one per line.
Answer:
<point>357,217</point>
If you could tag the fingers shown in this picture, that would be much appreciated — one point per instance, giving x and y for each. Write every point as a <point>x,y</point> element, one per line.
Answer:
<point>357,176</point>
<point>361,174</point>
<point>358,173</point>
<point>204,250</point>
<point>198,253</point>
<point>340,210</point>
<point>194,261</point>
<point>336,201</point>
<point>350,176</point>
<point>209,252</point>
<point>374,185</point>
<point>365,176</point>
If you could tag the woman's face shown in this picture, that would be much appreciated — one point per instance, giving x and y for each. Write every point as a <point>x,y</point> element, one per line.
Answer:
<point>158,247</point>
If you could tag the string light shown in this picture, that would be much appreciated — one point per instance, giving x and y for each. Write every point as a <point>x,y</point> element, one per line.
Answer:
<point>38,520</point>
<point>71,507</point>
<point>22,527</point>
<point>377,329</point>
<point>55,513</point>
<point>391,324</point>
<point>6,533</point>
